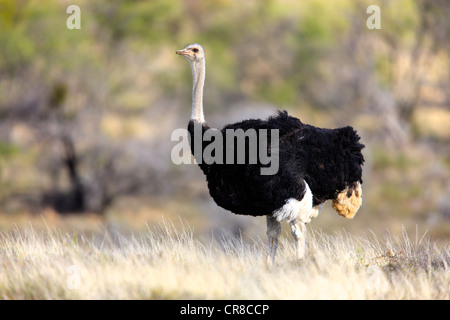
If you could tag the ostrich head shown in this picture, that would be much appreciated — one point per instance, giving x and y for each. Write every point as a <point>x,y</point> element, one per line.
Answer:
<point>192,53</point>
<point>195,54</point>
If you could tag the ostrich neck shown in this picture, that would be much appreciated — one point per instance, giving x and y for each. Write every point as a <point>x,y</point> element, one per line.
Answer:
<point>198,75</point>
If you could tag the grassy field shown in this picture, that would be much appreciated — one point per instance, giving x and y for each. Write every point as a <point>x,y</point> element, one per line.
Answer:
<point>168,262</point>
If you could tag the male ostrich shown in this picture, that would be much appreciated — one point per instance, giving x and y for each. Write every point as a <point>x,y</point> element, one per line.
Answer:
<point>315,165</point>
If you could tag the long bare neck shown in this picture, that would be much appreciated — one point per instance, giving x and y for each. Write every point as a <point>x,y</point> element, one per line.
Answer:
<point>198,75</point>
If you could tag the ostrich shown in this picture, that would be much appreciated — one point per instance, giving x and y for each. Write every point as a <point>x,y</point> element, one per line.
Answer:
<point>315,165</point>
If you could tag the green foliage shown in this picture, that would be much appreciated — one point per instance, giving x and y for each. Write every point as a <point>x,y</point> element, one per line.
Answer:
<point>33,31</point>
<point>322,22</point>
<point>151,21</point>
<point>16,47</point>
<point>401,20</point>
<point>8,150</point>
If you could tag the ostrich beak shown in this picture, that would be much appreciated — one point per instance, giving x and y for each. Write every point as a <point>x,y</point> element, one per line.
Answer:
<point>182,52</point>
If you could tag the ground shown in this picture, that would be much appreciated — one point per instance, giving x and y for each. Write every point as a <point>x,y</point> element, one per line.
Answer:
<point>168,262</point>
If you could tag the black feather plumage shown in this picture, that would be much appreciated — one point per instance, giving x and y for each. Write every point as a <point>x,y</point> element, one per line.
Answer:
<point>329,160</point>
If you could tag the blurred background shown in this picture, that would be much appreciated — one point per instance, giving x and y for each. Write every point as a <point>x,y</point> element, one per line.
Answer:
<point>86,115</point>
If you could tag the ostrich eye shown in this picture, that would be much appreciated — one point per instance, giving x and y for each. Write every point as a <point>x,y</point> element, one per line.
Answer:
<point>195,50</point>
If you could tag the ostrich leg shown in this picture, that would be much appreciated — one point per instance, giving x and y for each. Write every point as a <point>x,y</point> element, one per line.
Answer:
<point>273,231</point>
<point>298,230</point>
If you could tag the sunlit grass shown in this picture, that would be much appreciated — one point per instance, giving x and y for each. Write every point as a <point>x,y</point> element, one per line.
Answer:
<point>166,262</point>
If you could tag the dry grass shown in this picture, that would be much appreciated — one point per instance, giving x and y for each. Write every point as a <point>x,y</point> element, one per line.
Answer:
<point>167,263</point>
